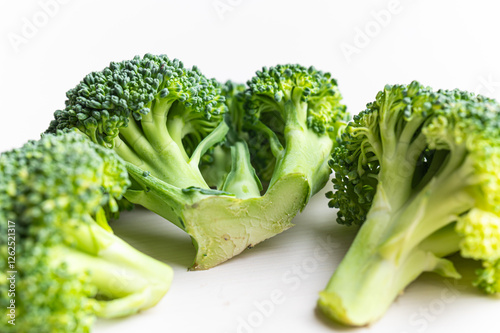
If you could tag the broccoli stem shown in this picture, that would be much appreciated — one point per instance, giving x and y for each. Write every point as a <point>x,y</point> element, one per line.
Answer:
<point>154,124</point>
<point>399,160</point>
<point>361,294</point>
<point>306,152</point>
<point>128,154</point>
<point>221,227</point>
<point>127,305</point>
<point>370,277</point>
<point>275,144</point>
<point>158,196</point>
<point>166,162</point>
<point>131,280</point>
<point>156,147</point>
<point>242,180</point>
<point>396,244</point>
<point>443,242</point>
<point>216,136</point>
<point>176,125</point>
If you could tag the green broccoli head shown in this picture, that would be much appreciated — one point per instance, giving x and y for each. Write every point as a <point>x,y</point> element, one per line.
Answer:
<point>272,88</point>
<point>417,169</point>
<point>106,101</point>
<point>196,153</point>
<point>356,162</point>
<point>299,112</point>
<point>56,191</point>
<point>152,110</point>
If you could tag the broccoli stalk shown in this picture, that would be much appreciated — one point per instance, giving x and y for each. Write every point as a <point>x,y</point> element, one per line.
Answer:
<point>413,169</point>
<point>129,280</point>
<point>167,122</point>
<point>222,226</point>
<point>70,266</point>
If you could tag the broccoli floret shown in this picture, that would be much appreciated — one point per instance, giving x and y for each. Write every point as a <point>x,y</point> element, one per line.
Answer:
<point>70,267</point>
<point>153,111</point>
<point>189,155</point>
<point>298,111</point>
<point>418,170</point>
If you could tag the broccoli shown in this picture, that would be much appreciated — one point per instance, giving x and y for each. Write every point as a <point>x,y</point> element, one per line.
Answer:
<point>70,267</point>
<point>299,113</point>
<point>188,154</point>
<point>418,170</point>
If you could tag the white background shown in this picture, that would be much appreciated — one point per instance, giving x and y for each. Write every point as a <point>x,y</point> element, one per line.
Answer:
<point>48,46</point>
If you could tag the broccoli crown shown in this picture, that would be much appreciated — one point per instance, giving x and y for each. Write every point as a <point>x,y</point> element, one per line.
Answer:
<point>447,119</point>
<point>293,110</point>
<point>186,139</point>
<point>103,102</point>
<point>471,124</point>
<point>152,111</point>
<point>418,171</point>
<point>272,87</point>
<point>356,161</point>
<point>418,148</point>
<point>45,187</point>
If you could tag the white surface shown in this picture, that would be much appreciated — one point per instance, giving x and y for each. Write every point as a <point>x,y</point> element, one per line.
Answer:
<point>445,44</point>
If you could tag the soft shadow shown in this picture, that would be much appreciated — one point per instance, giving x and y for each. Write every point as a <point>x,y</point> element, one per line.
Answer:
<point>155,236</point>
<point>466,267</point>
<point>160,239</point>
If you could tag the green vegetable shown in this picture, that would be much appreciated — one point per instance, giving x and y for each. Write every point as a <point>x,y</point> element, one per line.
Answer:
<point>189,151</point>
<point>298,111</point>
<point>419,170</point>
<point>58,192</point>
